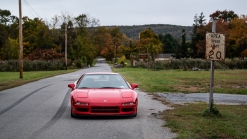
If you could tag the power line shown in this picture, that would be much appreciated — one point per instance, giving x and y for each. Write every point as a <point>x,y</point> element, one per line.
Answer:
<point>31,8</point>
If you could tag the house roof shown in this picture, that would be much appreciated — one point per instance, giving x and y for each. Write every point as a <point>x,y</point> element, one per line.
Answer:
<point>164,55</point>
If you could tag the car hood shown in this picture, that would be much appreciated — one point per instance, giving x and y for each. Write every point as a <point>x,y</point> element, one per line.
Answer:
<point>105,95</point>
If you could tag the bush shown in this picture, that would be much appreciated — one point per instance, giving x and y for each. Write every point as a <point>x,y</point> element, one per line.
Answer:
<point>188,64</point>
<point>214,111</point>
<point>35,65</point>
<point>114,60</point>
<point>78,63</point>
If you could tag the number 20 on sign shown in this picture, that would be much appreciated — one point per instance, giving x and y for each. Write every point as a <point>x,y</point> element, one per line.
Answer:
<point>215,46</point>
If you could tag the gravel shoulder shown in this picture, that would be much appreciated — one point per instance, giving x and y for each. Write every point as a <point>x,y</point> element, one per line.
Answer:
<point>181,98</point>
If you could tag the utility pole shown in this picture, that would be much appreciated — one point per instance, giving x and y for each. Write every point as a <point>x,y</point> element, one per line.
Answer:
<point>20,41</point>
<point>66,46</point>
<point>115,55</point>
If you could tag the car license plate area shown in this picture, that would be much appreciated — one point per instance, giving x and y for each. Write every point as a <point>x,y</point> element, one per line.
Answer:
<point>101,109</point>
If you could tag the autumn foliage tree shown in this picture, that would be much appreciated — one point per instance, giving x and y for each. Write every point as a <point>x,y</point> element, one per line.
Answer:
<point>109,40</point>
<point>237,38</point>
<point>149,43</point>
<point>86,39</point>
<point>229,24</point>
<point>45,54</point>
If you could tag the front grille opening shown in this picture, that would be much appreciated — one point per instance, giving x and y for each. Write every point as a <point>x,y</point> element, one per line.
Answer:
<point>105,110</point>
<point>127,109</point>
<point>82,109</point>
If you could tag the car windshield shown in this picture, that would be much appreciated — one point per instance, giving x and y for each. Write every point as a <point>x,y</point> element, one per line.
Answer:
<point>103,81</point>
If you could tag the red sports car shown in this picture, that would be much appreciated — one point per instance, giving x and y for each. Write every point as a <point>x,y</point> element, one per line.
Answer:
<point>103,93</point>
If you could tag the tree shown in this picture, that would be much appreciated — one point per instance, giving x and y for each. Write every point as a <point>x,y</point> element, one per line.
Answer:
<point>83,48</point>
<point>182,50</point>
<point>45,54</point>
<point>101,40</point>
<point>36,35</point>
<point>3,41</point>
<point>229,24</point>
<point>14,48</point>
<point>117,38</point>
<point>244,53</point>
<point>58,30</point>
<point>10,50</point>
<point>237,39</point>
<point>81,22</point>
<point>234,28</point>
<point>125,48</point>
<point>184,46</point>
<point>199,23</point>
<point>225,16</point>
<point>149,42</point>
<point>169,43</point>
<point>83,44</point>
<point>8,35</point>
<point>201,42</point>
<point>5,17</point>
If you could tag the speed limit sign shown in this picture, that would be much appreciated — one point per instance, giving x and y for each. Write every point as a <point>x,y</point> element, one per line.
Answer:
<point>215,46</point>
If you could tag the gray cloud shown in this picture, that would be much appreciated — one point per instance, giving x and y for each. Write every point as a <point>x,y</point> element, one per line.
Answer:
<point>127,12</point>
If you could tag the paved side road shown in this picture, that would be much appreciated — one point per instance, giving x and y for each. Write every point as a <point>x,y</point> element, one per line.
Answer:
<point>41,110</point>
<point>181,98</point>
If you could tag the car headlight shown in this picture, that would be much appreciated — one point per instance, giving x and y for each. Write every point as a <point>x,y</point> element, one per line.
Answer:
<point>128,103</point>
<point>81,103</point>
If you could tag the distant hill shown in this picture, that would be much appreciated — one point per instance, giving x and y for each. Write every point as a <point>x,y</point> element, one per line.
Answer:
<point>175,30</point>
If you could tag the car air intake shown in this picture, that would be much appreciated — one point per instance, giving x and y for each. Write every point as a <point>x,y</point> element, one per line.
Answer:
<point>127,109</point>
<point>105,109</point>
<point>82,109</point>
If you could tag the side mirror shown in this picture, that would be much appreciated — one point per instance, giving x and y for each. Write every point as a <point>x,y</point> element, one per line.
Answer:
<point>72,86</point>
<point>134,85</point>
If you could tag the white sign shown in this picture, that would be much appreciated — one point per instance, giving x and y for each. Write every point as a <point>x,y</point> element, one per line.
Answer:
<point>215,46</point>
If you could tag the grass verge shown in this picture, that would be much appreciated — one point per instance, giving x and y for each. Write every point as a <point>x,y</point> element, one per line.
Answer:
<point>188,120</point>
<point>12,79</point>
<point>225,81</point>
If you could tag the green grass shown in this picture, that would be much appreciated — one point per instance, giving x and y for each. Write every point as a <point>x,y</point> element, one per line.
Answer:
<point>12,79</point>
<point>189,123</point>
<point>225,81</point>
<point>188,120</point>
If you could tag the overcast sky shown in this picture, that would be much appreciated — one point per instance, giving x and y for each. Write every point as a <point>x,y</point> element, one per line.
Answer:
<point>126,12</point>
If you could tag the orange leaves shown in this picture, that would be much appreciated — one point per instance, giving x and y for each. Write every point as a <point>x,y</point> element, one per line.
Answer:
<point>234,28</point>
<point>45,54</point>
<point>237,38</point>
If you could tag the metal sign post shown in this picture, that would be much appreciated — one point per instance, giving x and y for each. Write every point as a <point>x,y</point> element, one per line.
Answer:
<point>215,50</point>
<point>211,85</point>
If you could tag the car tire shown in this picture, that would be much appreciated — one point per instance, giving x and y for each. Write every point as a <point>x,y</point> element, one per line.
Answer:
<point>135,115</point>
<point>71,114</point>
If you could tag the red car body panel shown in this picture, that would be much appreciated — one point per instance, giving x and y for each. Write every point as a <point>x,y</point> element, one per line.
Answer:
<point>104,102</point>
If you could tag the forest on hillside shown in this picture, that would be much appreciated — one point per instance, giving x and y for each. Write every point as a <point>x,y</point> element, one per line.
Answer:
<point>175,30</point>
<point>86,39</point>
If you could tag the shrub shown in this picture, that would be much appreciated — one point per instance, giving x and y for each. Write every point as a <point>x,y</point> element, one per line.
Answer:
<point>35,65</point>
<point>214,111</point>
<point>188,64</point>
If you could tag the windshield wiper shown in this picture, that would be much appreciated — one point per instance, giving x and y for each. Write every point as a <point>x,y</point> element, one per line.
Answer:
<point>84,87</point>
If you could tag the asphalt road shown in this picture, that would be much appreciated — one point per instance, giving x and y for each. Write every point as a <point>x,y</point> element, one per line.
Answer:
<point>41,110</point>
